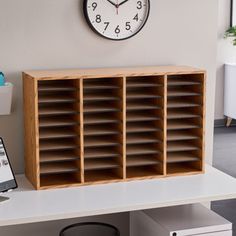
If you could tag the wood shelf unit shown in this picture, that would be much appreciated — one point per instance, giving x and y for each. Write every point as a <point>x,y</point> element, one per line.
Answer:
<point>108,125</point>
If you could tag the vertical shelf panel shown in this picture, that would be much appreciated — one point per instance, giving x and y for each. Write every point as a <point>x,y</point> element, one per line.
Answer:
<point>185,123</point>
<point>31,126</point>
<point>59,129</point>
<point>81,118</point>
<point>103,131</point>
<point>144,126</point>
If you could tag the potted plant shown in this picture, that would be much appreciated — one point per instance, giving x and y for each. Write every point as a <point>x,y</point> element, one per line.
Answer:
<point>231,33</point>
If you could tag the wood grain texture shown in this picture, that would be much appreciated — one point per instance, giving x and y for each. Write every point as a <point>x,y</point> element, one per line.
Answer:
<point>113,124</point>
<point>31,126</point>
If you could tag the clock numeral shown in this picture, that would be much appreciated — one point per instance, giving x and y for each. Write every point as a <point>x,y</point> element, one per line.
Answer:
<point>127,25</point>
<point>107,24</point>
<point>94,6</point>
<point>139,5</point>
<point>117,29</point>
<point>136,17</point>
<point>98,19</point>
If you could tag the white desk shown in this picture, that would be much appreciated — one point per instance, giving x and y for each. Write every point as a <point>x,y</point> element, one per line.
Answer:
<point>28,206</point>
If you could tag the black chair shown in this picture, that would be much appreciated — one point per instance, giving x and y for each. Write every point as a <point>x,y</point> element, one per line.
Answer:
<point>90,229</point>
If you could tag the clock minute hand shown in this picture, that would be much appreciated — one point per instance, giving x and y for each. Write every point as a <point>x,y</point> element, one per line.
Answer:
<point>123,2</point>
<point>112,3</point>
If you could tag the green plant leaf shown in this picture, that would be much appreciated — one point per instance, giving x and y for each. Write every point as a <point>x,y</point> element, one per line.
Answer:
<point>231,33</point>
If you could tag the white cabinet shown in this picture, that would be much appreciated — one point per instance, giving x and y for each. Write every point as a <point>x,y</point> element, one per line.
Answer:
<point>230,93</point>
<point>187,220</point>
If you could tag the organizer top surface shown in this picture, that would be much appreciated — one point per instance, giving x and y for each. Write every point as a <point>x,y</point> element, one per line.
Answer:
<point>189,219</point>
<point>108,72</point>
<point>27,205</point>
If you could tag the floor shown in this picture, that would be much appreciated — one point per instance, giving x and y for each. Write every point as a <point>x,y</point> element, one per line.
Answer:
<point>225,160</point>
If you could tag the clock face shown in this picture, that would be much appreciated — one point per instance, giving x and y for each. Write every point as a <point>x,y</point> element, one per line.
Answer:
<point>116,19</point>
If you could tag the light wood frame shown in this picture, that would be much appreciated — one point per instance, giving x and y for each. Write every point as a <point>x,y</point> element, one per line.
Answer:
<point>109,125</point>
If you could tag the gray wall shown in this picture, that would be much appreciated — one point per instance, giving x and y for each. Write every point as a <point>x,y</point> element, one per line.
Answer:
<point>52,34</point>
<point>226,53</point>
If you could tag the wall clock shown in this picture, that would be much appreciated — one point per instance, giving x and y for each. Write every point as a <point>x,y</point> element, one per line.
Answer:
<point>116,19</point>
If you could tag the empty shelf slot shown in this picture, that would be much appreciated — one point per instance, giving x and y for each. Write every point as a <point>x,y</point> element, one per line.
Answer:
<point>180,102</point>
<point>141,105</point>
<point>181,82</point>
<point>142,149</point>
<point>100,97</point>
<point>140,138</point>
<point>100,164</point>
<point>185,79</point>
<point>181,93</point>
<point>101,152</point>
<point>114,82</point>
<point>101,141</point>
<point>52,156</point>
<point>141,94</point>
<point>141,160</point>
<point>175,135</point>
<point>55,88</point>
<point>140,171</point>
<point>181,113</point>
<point>181,168</point>
<point>101,107</point>
<point>142,116</point>
<point>61,132</point>
<point>108,117</point>
<point>144,81</point>
<point>137,127</point>
<point>181,124</point>
<point>61,144</point>
<point>56,110</point>
<point>181,157</point>
<point>141,84</point>
<point>55,99</point>
<point>101,175</point>
<point>100,86</point>
<point>60,167</point>
<point>56,85</point>
<point>57,121</point>
<point>63,179</point>
<point>175,146</point>
<point>101,129</point>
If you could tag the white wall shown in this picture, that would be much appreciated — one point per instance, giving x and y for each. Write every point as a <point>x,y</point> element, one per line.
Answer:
<point>53,35</point>
<point>226,53</point>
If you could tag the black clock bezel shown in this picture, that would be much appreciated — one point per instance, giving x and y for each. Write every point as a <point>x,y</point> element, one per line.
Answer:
<point>85,11</point>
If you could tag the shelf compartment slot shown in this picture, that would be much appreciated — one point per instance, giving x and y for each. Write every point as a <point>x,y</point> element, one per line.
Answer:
<point>188,134</point>
<point>179,124</point>
<point>181,113</point>
<point>59,180</point>
<point>93,176</point>
<point>184,168</point>
<point>100,152</point>
<point>56,85</point>
<point>58,167</point>
<point>55,132</point>
<point>58,156</point>
<point>184,156</point>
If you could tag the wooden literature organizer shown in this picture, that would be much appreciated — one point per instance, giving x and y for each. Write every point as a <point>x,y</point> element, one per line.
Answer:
<point>107,125</point>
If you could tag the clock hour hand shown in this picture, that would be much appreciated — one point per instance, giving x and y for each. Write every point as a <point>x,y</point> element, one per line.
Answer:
<point>123,2</point>
<point>112,3</point>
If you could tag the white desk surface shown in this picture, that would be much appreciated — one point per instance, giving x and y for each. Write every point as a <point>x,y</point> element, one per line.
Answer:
<point>27,205</point>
